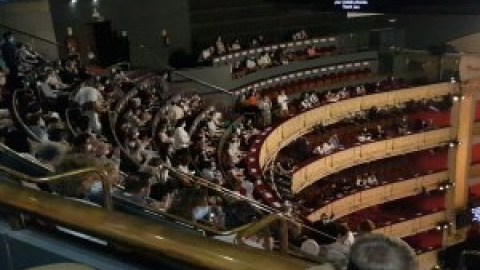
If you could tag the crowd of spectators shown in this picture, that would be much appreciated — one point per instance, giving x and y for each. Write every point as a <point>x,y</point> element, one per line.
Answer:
<point>174,140</point>
<point>266,59</point>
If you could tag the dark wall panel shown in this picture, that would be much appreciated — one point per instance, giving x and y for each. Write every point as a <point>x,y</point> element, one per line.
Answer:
<point>423,31</point>
<point>32,17</point>
<point>142,19</point>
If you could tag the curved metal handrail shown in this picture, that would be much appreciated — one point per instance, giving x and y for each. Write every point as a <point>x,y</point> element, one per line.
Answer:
<point>102,172</point>
<point>239,233</point>
<point>201,116</point>
<point>48,179</point>
<point>143,235</point>
<point>19,119</point>
<point>69,122</point>
<point>113,117</point>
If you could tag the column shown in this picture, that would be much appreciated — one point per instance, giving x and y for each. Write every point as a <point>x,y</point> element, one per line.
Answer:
<point>466,118</point>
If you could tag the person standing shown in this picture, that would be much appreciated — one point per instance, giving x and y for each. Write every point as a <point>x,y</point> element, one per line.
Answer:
<point>265,106</point>
<point>282,101</point>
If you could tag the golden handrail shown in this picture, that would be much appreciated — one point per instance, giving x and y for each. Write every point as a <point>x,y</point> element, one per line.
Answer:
<point>47,179</point>
<point>265,224</point>
<point>100,171</point>
<point>190,223</point>
<point>141,234</point>
<point>108,196</point>
<point>227,192</point>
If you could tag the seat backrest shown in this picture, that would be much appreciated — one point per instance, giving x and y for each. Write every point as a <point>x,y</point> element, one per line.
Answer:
<point>125,206</point>
<point>14,161</point>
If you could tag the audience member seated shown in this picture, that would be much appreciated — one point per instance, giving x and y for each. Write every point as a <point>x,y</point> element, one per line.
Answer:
<point>376,251</point>
<point>365,136</point>
<point>210,173</point>
<point>181,138</point>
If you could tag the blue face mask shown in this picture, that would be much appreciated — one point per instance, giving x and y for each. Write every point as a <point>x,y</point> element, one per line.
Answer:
<point>200,212</point>
<point>96,187</point>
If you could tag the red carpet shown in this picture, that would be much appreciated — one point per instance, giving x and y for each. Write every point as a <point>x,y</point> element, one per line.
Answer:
<point>477,111</point>
<point>475,191</point>
<point>425,161</point>
<point>425,241</point>
<point>476,154</point>
<point>395,211</point>
<point>441,119</point>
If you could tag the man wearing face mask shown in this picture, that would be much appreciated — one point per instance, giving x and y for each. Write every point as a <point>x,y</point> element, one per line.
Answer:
<point>191,204</point>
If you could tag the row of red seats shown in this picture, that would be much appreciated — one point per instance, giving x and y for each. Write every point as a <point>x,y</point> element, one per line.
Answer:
<point>308,84</point>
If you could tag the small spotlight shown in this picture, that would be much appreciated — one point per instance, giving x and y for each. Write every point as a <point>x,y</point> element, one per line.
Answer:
<point>453,80</point>
<point>73,2</point>
<point>456,98</point>
<point>440,188</point>
<point>439,228</point>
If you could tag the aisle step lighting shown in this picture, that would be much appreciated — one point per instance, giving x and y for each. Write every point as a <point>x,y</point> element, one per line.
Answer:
<point>446,185</point>
<point>443,225</point>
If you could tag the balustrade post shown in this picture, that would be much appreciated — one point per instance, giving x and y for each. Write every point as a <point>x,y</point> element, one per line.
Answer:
<point>462,119</point>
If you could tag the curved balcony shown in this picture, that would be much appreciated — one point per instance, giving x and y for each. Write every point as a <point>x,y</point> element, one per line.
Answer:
<point>378,195</point>
<point>323,42</point>
<point>274,138</point>
<point>325,166</point>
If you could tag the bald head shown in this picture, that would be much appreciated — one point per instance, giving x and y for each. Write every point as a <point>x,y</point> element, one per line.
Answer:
<point>378,252</point>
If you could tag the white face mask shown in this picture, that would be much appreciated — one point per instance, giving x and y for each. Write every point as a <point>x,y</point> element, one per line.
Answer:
<point>96,187</point>
<point>200,212</point>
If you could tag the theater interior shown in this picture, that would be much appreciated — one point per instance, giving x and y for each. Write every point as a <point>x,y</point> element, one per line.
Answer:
<point>239,134</point>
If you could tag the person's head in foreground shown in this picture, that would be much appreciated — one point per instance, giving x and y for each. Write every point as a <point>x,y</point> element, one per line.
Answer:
<point>379,252</point>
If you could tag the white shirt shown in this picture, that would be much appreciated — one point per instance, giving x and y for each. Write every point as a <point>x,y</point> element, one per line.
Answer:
<point>220,47</point>
<point>306,104</point>
<point>181,139</point>
<point>234,152</point>
<point>283,101</point>
<point>318,150</point>
<point>360,182</point>
<point>251,64</point>
<point>212,127</point>
<point>54,80</point>
<point>184,169</point>
<point>87,94</point>
<point>206,54</point>
<point>164,138</point>
<point>264,60</point>
<point>248,186</point>
<point>372,180</point>
<point>327,148</point>
<point>265,105</point>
